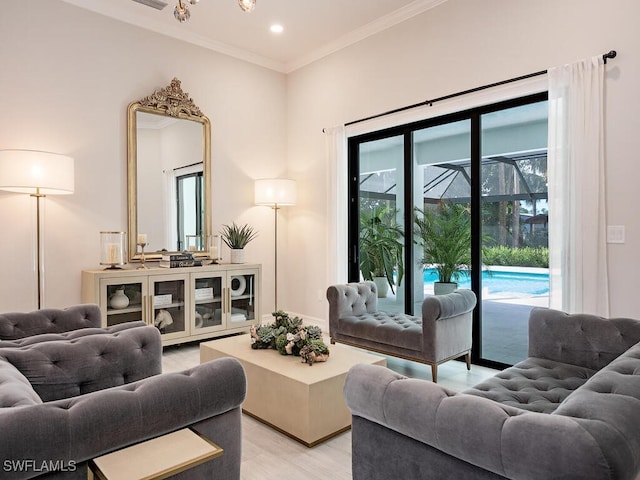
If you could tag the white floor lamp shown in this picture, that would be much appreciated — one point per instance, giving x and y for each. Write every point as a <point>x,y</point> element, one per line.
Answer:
<point>38,174</point>
<point>275,193</point>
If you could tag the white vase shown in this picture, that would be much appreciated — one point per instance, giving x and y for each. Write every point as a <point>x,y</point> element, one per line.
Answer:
<point>237,255</point>
<point>442,288</point>
<point>119,300</point>
<point>382,286</point>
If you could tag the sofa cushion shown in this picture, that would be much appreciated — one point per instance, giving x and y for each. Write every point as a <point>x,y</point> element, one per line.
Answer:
<point>15,389</point>
<point>536,384</point>
<point>398,329</point>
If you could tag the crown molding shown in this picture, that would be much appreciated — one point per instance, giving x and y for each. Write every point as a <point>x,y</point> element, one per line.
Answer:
<point>109,9</point>
<point>405,13</point>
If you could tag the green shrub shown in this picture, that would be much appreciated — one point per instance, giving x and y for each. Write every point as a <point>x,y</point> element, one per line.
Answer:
<point>516,257</point>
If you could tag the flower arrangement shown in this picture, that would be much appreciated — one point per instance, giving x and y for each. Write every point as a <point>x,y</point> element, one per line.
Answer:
<point>290,337</point>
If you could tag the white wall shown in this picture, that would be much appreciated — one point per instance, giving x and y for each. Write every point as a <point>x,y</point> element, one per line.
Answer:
<point>67,77</point>
<point>459,45</point>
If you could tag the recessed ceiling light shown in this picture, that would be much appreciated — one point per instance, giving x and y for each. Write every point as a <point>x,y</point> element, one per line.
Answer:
<point>276,28</point>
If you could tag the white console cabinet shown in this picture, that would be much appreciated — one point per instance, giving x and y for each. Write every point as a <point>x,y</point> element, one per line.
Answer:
<point>186,304</point>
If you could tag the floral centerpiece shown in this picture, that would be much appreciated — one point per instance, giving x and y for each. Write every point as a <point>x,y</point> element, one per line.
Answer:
<point>290,337</point>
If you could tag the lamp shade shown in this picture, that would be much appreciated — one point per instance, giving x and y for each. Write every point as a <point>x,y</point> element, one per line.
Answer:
<point>275,191</point>
<point>31,171</point>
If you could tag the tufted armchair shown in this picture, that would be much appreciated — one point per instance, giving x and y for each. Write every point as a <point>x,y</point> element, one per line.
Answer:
<point>442,333</point>
<point>69,396</point>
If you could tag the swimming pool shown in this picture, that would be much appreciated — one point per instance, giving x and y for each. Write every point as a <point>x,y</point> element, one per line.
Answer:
<point>498,282</point>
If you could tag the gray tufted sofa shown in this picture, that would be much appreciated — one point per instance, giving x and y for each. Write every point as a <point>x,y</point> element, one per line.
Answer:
<point>442,333</point>
<point>569,411</point>
<point>67,396</point>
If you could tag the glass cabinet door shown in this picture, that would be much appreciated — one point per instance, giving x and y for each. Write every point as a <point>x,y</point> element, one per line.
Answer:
<point>242,294</point>
<point>123,298</point>
<point>168,299</point>
<point>208,303</point>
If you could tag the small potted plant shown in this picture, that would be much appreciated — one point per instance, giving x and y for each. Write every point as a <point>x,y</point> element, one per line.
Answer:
<point>237,237</point>
<point>381,249</point>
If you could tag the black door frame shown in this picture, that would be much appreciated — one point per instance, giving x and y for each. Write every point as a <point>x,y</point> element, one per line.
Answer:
<point>474,115</point>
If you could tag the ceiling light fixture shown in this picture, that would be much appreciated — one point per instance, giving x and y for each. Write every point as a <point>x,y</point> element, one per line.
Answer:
<point>182,13</point>
<point>276,28</point>
<point>247,5</point>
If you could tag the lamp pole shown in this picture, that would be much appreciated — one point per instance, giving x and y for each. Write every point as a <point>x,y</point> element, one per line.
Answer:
<point>39,254</point>
<point>275,215</point>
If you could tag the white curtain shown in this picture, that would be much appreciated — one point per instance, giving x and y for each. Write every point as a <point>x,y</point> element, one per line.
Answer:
<point>576,171</point>
<point>337,201</point>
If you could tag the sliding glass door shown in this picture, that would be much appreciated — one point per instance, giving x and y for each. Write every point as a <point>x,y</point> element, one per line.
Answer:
<point>441,196</point>
<point>515,226</point>
<point>466,196</point>
<point>380,219</point>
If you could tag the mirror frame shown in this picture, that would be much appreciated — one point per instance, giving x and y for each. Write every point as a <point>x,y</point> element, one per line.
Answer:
<point>170,101</point>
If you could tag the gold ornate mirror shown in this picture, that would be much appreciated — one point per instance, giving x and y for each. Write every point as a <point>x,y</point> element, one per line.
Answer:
<point>169,174</point>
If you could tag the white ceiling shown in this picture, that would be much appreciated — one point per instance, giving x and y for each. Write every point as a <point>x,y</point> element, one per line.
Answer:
<point>312,28</point>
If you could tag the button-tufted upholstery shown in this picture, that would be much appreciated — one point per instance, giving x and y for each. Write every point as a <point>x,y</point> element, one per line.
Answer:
<point>70,335</point>
<point>536,384</point>
<point>20,325</point>
<point>70,432</point>
<point>15,389</point>
<point>442,333</point>
<point>71,396</point>
<point>397,329</point>
<point>67,368</point>
<point>544,418</point>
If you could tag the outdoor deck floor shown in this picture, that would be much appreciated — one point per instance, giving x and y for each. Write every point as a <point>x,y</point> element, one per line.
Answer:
<point>505,325</point>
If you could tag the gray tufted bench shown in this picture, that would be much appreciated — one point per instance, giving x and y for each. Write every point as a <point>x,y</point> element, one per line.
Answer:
<point>570,411</point>
<point>441,334</point>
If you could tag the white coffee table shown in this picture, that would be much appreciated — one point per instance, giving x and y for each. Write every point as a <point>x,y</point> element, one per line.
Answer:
<point>304,402</point>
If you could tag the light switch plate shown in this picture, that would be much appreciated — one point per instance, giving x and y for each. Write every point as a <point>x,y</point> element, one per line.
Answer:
<point>615,234</point>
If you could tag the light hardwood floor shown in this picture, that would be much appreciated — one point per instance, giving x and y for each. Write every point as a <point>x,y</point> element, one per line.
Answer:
<point>269,455</point>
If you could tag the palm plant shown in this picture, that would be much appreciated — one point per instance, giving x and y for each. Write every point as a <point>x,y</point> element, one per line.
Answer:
<point>237,237</point>
<point>445,235</point>
<point>380,246</point>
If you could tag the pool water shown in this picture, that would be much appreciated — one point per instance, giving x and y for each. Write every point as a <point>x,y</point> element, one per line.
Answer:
<point>499,282</point>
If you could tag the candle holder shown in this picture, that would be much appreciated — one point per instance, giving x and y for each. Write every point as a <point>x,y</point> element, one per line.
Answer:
<point>215,248</point>
<point>142,258</point>
<point>113,249</point>
<point>192,243</point>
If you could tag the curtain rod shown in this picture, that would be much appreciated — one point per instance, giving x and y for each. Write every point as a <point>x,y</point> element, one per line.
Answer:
<point>610,54</point>
<point>187,166</point>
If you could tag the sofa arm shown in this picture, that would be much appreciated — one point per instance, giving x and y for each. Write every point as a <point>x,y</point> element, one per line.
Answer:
<point>447,324</point>
<point>67,368</point>
<point>20,325</point>
<point>350,299</point>
<point>85,427</point>
<point>580,339</point>
<point>508,441</point>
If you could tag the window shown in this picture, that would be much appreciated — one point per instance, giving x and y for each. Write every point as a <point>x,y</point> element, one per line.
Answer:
<point>190,212</point>
<point>476,181</point>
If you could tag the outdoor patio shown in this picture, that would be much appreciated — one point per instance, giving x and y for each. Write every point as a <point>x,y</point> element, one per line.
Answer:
<point>504,325</point>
